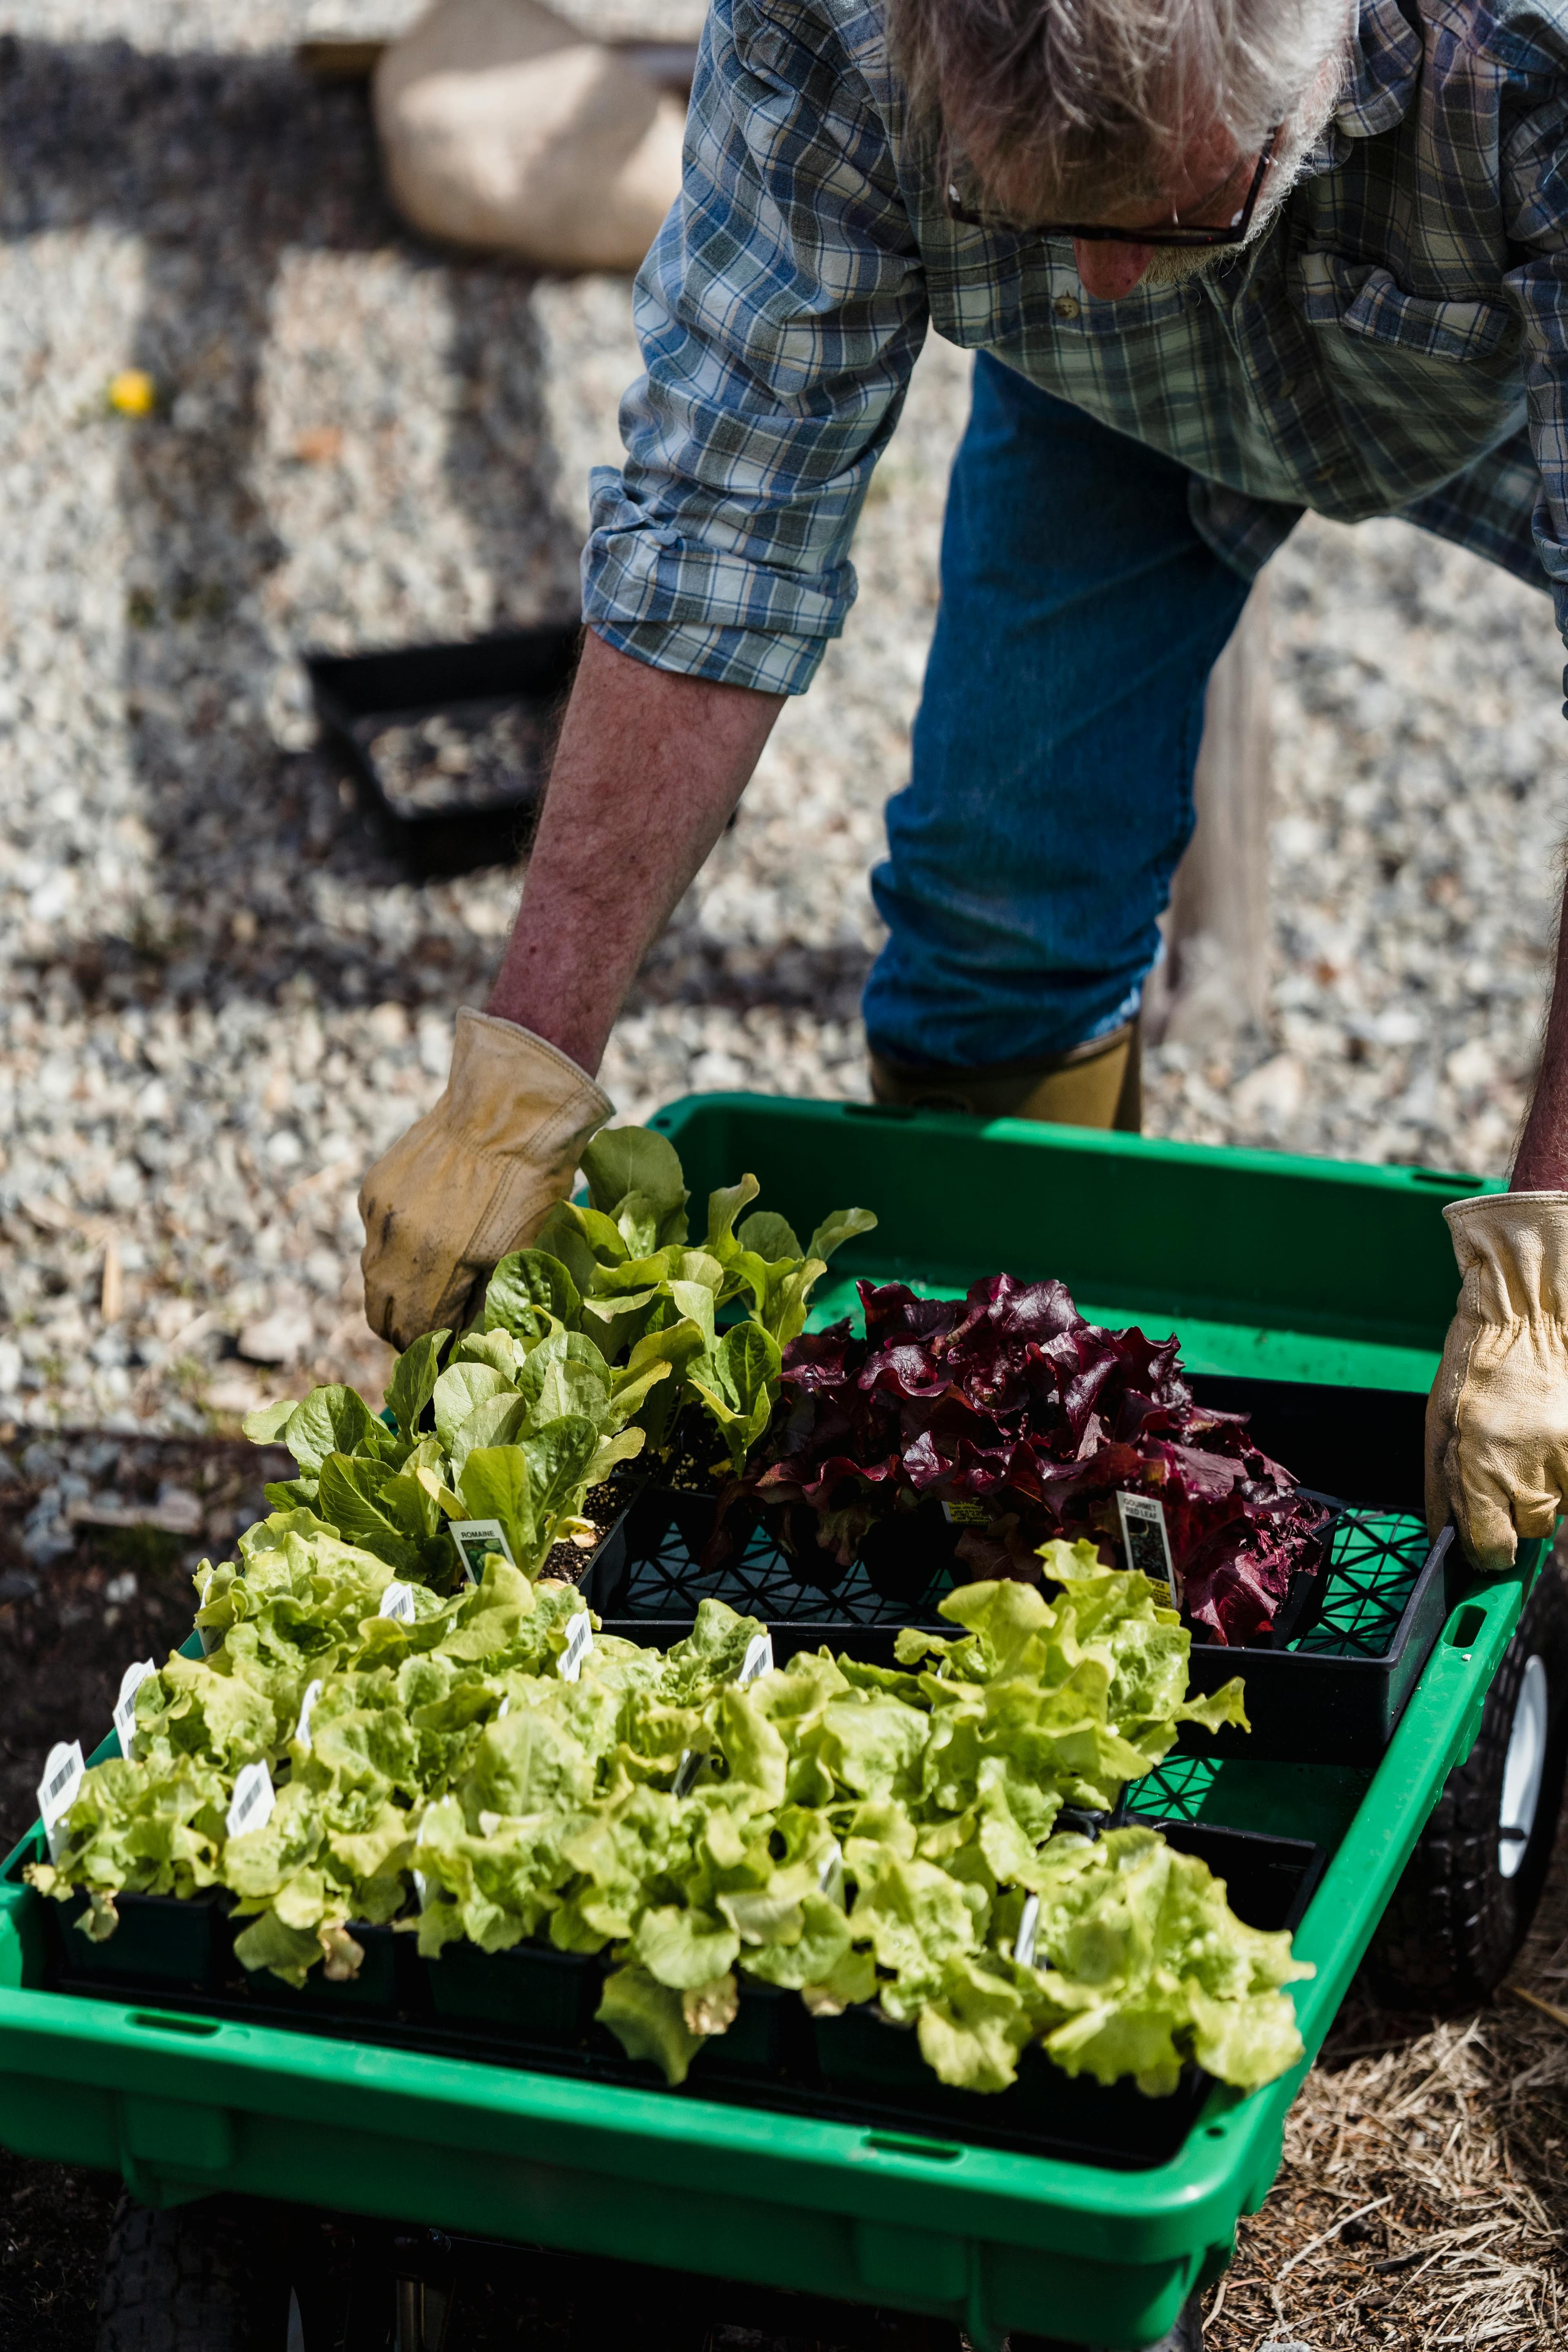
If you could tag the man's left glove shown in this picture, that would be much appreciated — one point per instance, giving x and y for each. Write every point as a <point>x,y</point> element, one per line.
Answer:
<point>1497,1420</point>
<point>473,1177</point>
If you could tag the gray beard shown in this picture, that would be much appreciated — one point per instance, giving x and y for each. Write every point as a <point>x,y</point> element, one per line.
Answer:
<point>1175,265</point>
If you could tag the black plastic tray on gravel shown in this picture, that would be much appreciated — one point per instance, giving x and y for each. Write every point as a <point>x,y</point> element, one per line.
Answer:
<point>535,2007</point>
<point>405,722</point>
<point>1330,1690</point>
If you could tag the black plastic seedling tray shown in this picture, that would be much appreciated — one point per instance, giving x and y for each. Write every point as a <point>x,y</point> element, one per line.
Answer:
<point>1333,1691</point>
<point>1330,1689</point>
<point>451,745</point>
<point>535,2007</point>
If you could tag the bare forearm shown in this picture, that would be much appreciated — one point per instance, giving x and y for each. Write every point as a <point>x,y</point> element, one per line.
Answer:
<point>650,766</point>
<point>1542,1162</point>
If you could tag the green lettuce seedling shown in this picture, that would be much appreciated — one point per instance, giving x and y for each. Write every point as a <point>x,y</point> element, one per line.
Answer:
<point>855,1833</point>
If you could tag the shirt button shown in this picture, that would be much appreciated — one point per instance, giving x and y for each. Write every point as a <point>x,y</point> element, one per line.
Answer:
<point>1065,306</point>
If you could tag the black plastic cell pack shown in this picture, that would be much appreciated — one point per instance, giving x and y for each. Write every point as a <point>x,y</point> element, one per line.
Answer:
<point>535,2007</point>
<point>450,745</point>
<point>1330,1687</point>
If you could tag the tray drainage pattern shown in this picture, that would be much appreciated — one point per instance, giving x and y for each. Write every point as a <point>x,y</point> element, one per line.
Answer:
<point>1376,1559</point>
<point>662,1581</point>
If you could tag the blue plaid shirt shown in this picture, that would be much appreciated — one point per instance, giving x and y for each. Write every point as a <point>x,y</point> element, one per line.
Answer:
<point>1397,344</point>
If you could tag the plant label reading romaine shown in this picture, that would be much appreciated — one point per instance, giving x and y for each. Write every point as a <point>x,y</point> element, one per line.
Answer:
<point>131,1681</point>
<point>473,1538</point>
<point>1029,1928</point>
<point>306,1708</point>
<point>758,1660</point>
<point>579,1641</point>
<point>1144,1541</point>
<point>830,1874</point>
<point>59,1789</point>
<point>253,1800</point>
<point>397,1602</point>
<point>685,1772</point>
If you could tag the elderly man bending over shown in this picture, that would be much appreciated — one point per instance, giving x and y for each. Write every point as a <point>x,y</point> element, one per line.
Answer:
<point>1221,261</point>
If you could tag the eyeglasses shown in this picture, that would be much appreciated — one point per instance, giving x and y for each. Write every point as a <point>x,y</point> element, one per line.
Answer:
<point>1199,234</point>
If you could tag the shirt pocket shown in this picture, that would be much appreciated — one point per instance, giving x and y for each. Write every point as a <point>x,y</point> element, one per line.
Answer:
<point>1362,299</point>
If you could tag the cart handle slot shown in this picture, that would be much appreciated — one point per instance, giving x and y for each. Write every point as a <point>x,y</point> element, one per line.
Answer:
<point>1468,1626</point>
<point>890,2143</point>
<point>157,2023</point>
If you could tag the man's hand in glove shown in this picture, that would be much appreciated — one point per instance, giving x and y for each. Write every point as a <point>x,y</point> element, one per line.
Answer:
<point>474,1176</point>
<point>1497,1421</point>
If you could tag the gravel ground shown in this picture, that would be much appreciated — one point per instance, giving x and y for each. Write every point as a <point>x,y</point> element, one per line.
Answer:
<point>218,1000</point>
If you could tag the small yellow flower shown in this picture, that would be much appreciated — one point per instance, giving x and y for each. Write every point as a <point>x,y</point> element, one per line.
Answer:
<point>132,392</point>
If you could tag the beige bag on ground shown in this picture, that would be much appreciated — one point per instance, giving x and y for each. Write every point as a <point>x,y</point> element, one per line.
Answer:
<point>501,125</point>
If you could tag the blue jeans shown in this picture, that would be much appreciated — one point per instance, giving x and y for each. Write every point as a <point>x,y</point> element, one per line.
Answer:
<point>1051,790</point>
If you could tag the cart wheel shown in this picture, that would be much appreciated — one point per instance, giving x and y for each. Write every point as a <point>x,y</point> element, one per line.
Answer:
<point>198,2278</point>
<point>1187,2336</point>
<point>1468,1892</point>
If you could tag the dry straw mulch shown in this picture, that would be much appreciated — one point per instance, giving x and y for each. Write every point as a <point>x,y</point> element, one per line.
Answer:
<point>1424,2195</point>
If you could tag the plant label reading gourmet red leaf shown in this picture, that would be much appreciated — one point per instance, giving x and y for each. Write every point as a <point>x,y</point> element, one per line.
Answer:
<point>1145,1542</point>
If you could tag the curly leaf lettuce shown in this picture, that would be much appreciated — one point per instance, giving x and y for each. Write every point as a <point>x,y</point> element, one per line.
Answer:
<point>849,1833</point>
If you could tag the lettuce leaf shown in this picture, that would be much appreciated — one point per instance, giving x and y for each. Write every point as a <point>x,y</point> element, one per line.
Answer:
<point>1009,1402</point>
<point>851,1834</point>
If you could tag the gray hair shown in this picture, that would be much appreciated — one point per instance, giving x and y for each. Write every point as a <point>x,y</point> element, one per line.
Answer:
<point>1083,104</point>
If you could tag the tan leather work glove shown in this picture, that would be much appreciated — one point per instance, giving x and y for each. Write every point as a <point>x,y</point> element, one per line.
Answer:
<point>474,1176</point>
<point>1497,1420</point>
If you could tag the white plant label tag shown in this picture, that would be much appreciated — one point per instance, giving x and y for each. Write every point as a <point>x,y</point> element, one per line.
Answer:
<point>685,1772</point>
<point>306,1708</point>
<point>1145,1542</point>
<point>131,1681</point>
<point>830,1874</point>
<point>1029,1928</point>
<point>59,1789</point>
<point>758,1660</point>
<point>397,1602</point>
<point>579,1641</point>
<point>473,1538</point>
<point>254,1799</point>
<point>422,1888</point>
<point>501,1709</point>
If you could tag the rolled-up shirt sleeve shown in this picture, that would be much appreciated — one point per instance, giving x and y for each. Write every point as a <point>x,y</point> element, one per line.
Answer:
<point>779,313</point>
